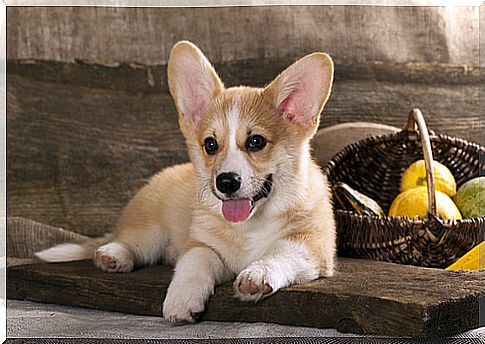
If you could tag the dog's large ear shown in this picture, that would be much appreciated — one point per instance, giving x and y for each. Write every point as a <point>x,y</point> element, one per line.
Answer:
<point>300,92</point>
<point>192,81</point>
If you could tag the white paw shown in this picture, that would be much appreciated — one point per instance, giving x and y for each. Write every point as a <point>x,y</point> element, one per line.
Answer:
<point>185,302</point>
<point>113,257</point>
<point>253,283</point>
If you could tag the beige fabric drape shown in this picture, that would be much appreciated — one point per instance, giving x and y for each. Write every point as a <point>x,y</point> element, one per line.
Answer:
<point>146,35</point>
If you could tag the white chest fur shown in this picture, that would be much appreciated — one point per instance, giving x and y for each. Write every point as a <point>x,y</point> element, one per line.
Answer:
<point>246,242</point>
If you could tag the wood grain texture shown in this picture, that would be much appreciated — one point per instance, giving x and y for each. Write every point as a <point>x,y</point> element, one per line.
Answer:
<point>136,77</point>
<point>364,297</point>
<point>82,138</point>
<point>146,35</point>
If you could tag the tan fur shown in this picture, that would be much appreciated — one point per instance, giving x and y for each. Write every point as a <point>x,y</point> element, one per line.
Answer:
<point>313,232</point>
<point>177,216</point>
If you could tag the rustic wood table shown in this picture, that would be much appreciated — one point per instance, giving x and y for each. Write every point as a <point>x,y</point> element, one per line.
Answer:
<point>366,297</point>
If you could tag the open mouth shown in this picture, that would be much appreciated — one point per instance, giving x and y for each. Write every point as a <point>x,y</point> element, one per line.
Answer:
<point>237,210</point>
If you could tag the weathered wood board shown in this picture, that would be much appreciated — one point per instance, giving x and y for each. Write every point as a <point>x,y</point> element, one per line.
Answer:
<point>367,297</point>
<point>83,137</point>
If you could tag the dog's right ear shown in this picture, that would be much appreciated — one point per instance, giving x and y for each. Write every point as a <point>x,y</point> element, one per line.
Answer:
<point>192,81</point>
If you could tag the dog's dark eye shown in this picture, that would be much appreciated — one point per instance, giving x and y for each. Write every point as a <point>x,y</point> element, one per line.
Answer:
<point>210,145</point>
<point>255,143</point>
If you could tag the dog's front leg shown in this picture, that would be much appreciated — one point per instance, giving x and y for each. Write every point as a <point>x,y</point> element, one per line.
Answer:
<point>197,271</point>
<point>288,262</point>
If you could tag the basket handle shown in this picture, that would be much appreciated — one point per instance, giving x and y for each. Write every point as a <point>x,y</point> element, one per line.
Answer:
<point>416,119</point>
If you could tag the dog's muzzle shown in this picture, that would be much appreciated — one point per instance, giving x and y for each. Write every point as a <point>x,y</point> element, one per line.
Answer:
<point>239,209</point>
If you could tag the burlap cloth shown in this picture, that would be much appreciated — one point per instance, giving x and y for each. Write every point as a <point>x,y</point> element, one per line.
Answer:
<point>435,34</point>
<point>25,237</point>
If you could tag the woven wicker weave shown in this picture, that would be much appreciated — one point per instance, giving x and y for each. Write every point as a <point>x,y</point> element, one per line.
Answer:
<point>374,167</point>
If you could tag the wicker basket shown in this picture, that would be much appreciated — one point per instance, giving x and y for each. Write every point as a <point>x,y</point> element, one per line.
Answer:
<point>374,167</point>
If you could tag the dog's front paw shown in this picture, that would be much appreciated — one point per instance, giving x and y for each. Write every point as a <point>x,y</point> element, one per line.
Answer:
<point>184,303</point>
<point>113,257</point>
<point>253,283</point>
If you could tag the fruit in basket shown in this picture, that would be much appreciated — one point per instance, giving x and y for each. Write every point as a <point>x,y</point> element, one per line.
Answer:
<point>470,198</point>
<point>351,199</point>
<point>415,176</point>
<point>414,202</point>
<point>472,260</point>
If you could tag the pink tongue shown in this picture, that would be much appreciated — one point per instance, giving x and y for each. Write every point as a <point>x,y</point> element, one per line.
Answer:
<point>236,210</point>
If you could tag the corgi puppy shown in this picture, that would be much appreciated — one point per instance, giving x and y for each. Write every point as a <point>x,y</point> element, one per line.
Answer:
<point>251,205</point>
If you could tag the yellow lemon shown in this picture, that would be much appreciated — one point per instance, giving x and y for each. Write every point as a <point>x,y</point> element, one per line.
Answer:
<point>415,176</point>
<point>414,202</point>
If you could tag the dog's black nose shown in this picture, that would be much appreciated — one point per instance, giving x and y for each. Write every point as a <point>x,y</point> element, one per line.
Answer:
<point>228,183</point>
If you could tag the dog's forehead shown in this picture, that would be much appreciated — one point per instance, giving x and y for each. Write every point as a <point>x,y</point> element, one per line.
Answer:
<point>240,102</point>
<point>241,109</point>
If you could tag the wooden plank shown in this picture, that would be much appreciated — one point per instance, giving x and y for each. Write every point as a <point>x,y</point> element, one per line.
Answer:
<point>136,77</point>
<point>367,297</point>
<point>78,149</point>
<point>76,155</point>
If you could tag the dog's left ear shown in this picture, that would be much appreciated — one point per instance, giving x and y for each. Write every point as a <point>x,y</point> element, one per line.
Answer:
<point>300,92</point>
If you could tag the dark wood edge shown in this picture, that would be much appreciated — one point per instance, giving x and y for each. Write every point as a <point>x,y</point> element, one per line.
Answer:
<point>137,77</point>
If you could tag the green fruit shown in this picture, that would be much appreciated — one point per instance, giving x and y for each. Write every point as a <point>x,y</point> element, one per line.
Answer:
<point>351,199</point>
<point>470,198</point>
